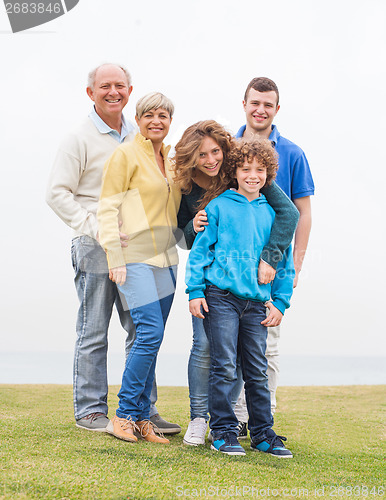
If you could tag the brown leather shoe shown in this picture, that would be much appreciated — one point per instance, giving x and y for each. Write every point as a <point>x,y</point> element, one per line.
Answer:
<point>122,428</point>
<point>146,431</point>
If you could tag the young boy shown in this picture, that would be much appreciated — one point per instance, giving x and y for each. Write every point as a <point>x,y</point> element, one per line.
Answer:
<point>222,280</point>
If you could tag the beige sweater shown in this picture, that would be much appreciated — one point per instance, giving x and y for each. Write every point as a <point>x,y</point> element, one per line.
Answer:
<point>135,192</point>
<point>75,181</point>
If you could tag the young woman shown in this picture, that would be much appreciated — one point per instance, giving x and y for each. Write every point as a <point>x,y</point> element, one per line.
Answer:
<point>138,189</point>
<point>200,157</point>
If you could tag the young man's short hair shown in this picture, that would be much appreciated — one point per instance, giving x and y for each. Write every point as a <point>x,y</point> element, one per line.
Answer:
<point>262,84</point>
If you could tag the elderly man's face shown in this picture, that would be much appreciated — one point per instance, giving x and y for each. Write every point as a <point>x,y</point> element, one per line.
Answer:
<point>111,91</point>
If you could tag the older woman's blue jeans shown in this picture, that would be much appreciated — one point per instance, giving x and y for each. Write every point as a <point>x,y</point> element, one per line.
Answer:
<point>148,293</point>
<point>97,295</point>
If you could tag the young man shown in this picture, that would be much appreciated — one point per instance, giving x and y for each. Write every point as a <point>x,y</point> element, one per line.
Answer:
<point>261,104</point>
<point>73,193</point>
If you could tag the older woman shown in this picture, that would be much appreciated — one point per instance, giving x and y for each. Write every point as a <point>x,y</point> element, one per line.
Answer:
<point>138,189</point>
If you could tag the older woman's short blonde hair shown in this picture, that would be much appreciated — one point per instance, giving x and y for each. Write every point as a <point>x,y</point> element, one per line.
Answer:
<point>154,100</point>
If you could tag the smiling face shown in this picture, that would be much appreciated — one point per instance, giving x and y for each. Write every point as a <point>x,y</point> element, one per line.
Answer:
<point>154,124</point>
<point>251,177</point>
<point>110,92</point>
<point>260,110</point>
<point>210,157</point>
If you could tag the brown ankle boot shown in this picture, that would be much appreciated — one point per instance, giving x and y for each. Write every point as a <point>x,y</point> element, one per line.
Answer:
<point>146,431</point>
<point>122,428</point>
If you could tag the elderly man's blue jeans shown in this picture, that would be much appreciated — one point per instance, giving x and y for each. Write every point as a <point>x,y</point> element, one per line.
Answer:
<point>97,295</point>
<point>148,293</point>
<point>232,325</point>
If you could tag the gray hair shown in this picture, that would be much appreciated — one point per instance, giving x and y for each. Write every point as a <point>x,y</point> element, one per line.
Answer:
<point>92,74</point>
<point>154,100</point>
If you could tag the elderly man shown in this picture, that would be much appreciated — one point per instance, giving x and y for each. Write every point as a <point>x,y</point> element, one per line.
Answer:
<point>73,193</point>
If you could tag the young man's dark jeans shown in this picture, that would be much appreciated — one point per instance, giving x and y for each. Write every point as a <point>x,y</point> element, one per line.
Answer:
<point>233,323</point>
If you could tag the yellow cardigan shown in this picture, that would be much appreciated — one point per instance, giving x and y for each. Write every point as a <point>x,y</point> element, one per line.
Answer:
<point>135,192</point>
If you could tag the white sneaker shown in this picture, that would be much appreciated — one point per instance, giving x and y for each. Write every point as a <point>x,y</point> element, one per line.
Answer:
<point>195,434</point>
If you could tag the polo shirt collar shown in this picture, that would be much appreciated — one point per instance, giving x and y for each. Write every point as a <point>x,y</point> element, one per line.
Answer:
<point>103,128</point>
<point>274,135</point>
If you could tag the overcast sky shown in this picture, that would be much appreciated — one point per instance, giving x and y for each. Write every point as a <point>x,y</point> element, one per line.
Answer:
<point>329,62</point>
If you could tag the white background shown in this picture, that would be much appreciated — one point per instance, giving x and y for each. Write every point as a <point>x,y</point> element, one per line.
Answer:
<point>329,61</point>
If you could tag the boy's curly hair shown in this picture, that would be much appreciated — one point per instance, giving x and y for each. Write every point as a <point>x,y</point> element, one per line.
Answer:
<point>242,150</point>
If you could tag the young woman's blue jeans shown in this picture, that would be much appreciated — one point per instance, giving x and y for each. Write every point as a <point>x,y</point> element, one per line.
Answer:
<point>234,324</point>
<point>148,293</point>
<point>198,373</point>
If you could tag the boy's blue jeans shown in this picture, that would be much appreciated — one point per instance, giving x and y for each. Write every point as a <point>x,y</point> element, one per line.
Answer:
<point>198,373</point>
<point>234,324</point>
<point>148,292</point>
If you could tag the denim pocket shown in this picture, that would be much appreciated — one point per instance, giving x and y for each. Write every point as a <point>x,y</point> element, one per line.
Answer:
<point>90,256</point>
<point>73,255</point>
<point>216,291</point>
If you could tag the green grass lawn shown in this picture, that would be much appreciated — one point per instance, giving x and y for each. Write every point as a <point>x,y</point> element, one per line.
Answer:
<point>335,433</point>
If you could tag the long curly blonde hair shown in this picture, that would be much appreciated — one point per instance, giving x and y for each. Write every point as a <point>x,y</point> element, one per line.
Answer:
<point>242,150</point>
<point>187,151</point>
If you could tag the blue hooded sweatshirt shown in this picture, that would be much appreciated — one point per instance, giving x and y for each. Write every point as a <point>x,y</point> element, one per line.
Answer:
<point>226,253</point>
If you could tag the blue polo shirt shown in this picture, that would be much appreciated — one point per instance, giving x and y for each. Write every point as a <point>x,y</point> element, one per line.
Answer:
<point>103,128</point>
<point>294,174</point>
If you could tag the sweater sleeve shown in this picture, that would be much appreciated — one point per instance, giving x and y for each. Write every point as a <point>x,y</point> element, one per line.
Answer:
<point>284,225</point>
<point>62,185</point>
<point>282,286</point>
<point>201,256</point>
<point>116,179</point>
<point>185,222</point>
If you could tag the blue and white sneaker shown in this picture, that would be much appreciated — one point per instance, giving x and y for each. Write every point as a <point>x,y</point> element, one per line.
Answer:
<point>228,444</point>
<point>272,444</point>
